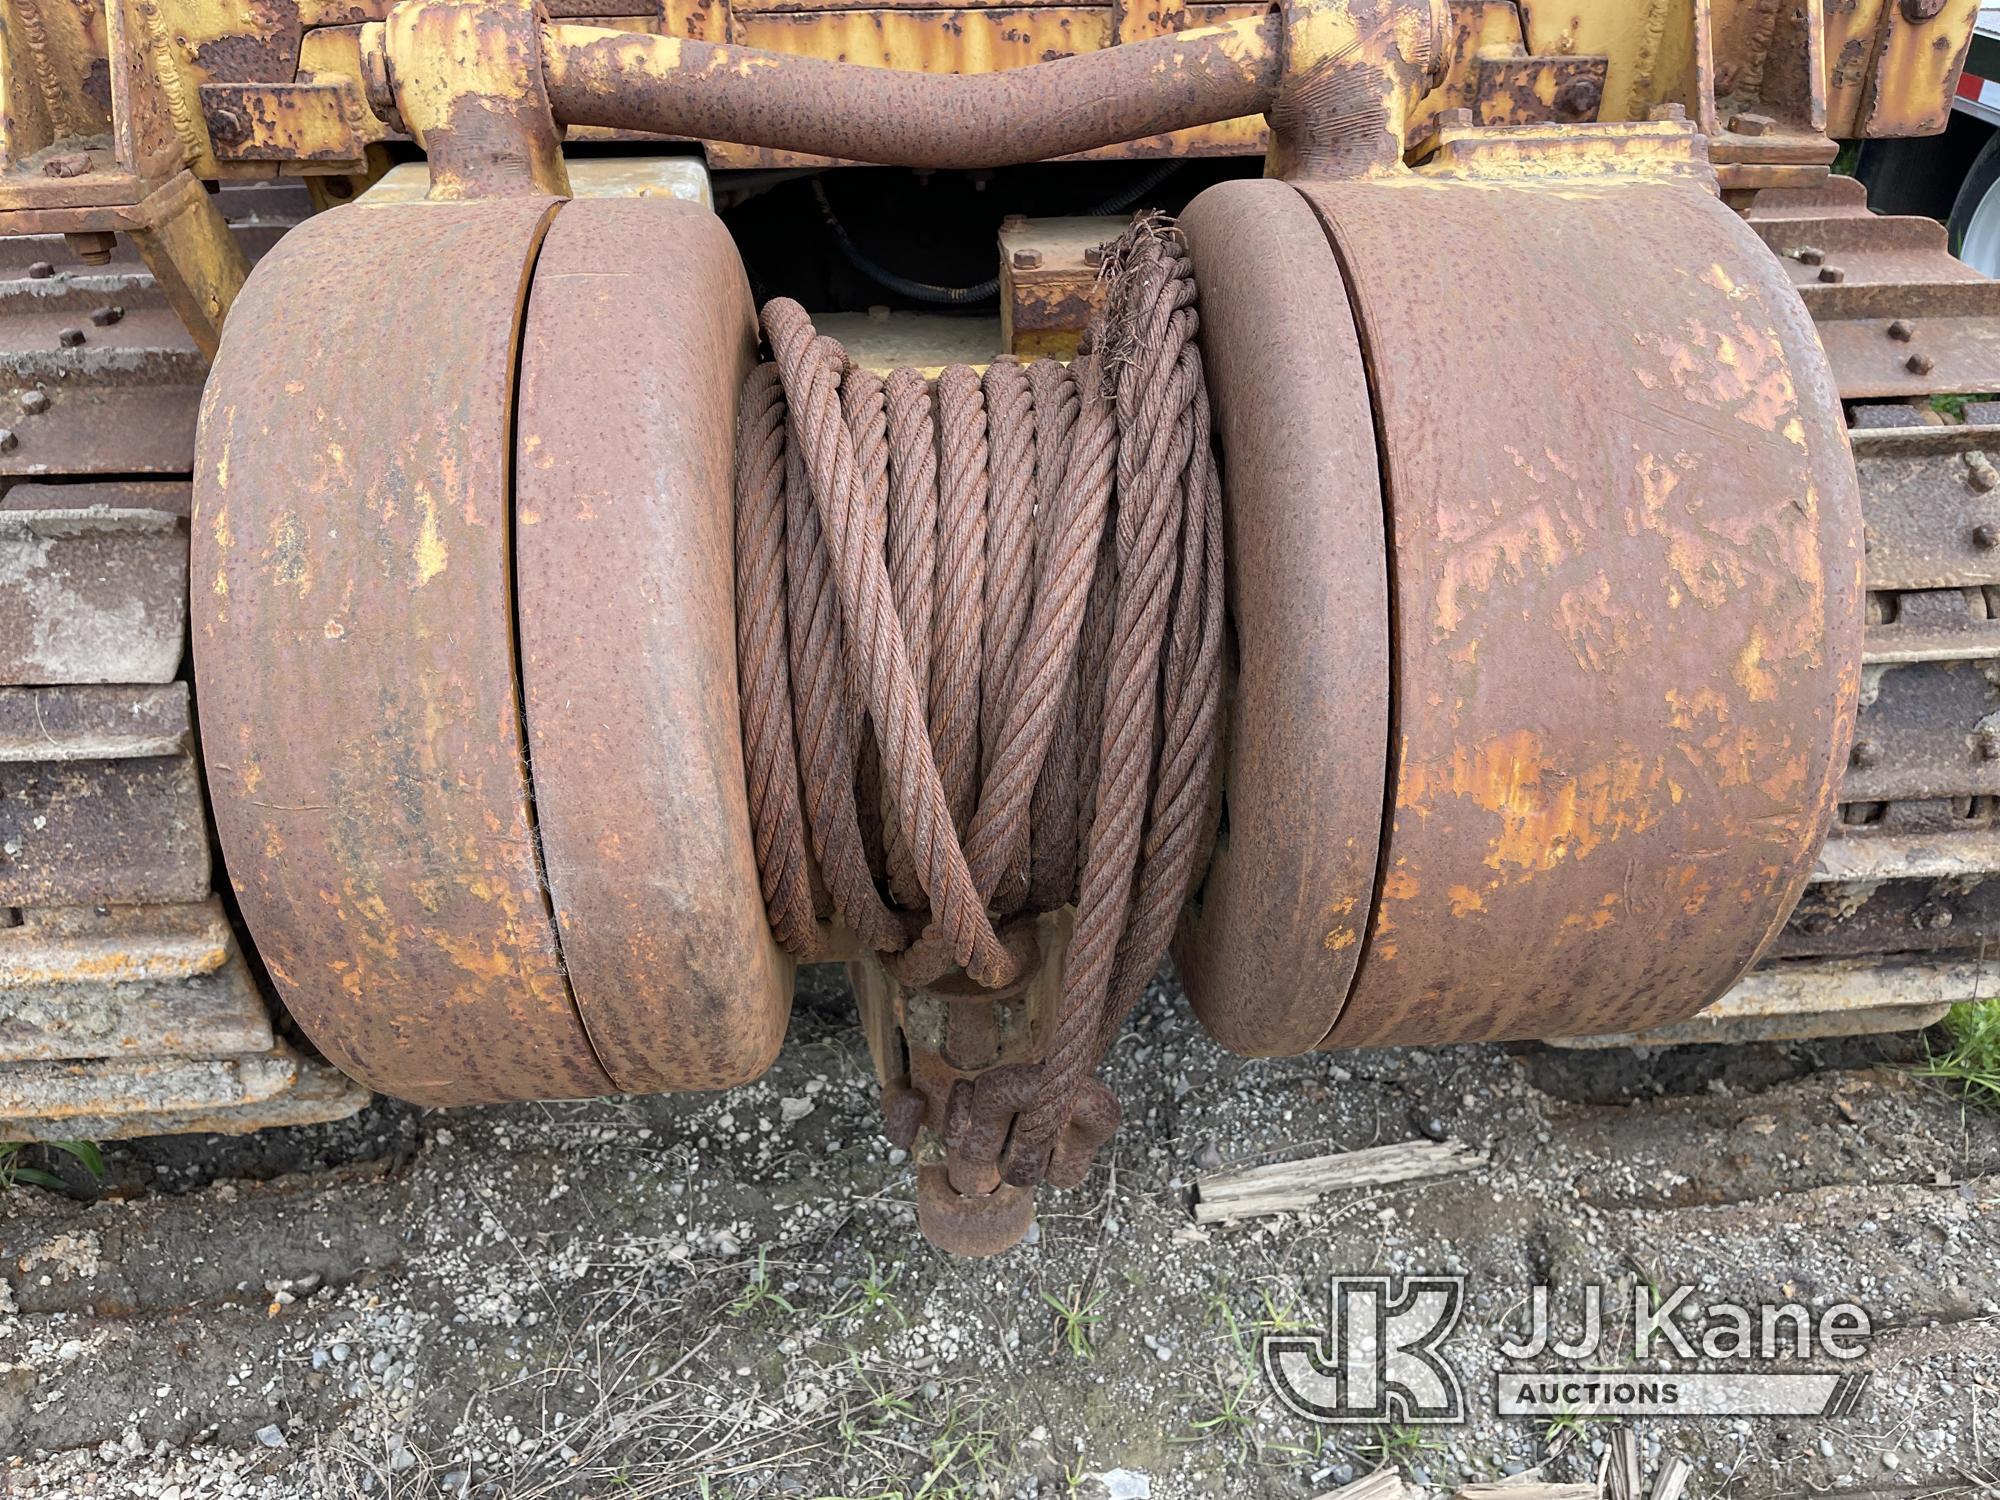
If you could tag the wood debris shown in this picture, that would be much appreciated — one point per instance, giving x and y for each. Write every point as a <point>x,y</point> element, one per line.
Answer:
<point>1280,1187</point>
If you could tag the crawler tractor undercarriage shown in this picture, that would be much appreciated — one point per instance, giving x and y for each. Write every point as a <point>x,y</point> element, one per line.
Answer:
<point>1525,567</point>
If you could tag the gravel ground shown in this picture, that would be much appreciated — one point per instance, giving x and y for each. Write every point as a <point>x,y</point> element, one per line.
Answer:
<point>725,1295</point>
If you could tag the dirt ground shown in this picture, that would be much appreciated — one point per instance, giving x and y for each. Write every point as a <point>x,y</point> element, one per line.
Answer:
<point>725,1295</point>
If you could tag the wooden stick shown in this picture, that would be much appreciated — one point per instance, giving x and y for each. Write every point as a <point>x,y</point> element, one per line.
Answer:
<point>1287,1185</point>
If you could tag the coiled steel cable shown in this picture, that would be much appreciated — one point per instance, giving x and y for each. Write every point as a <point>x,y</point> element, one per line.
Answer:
<point>979,632</point>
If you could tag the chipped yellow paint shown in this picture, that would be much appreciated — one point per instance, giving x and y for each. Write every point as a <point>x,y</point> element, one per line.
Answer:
<point>429,550</point>
<point>1547,814</point>
<point>1751,674</point>
<point>1465,900</point>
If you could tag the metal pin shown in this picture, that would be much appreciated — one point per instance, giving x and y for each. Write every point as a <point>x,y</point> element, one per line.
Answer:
<point>1916,364</point>
<point>1902,330</point>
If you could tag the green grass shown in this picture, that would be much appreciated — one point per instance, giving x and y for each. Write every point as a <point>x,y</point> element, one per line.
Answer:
<point>1077,1317</point>
<point>16,1166</point>
<point>1954,406</point>
<point>757,1295</point>
<point>1972,1060</point>
<point>1399,1446</point>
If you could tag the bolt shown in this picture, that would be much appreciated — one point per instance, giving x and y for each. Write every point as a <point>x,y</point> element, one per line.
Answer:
<point>1917,364</point>
<point>1818,924</point>
<point>1094,256</point>
<point>1013,222</point>
<point>1902,330</point>
<point>34,401</point>
<point>1985,537</point>
<point>1578,99</point>
<point>93,247</point>
<point>41,270</point>
<point>1027,260</point>
<point>69,338</point>
<point>68,164</point>
<point>1749,123</point>
<point>1863,755</point>
<point>1989,741</point>
<point>1931,917</point>
<point>1980,473</point>
<point>8,442</point>
<point>225,126</point>
<point>1808,255</point>
<point>104,317</point>
<point>1916,12</point>
<point>1454,119</point>
<point>1668,113</point>
<point>1832,273</point>
<point>214,306</point>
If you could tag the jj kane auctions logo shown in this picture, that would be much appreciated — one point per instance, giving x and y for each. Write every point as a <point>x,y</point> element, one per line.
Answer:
<point>1381,1358</point>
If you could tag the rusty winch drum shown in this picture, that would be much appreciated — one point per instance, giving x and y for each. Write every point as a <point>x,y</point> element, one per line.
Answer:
<point>1544,595</point>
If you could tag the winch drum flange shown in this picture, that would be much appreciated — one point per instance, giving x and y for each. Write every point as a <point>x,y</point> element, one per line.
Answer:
<point>461,904</point>
<point>1624,584</point>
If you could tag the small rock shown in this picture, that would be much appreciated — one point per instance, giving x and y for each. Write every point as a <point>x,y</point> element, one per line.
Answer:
<point>1209,1158</point>
<point>1892,1460</point>
<point>794,1110</point>
<point>1124,1484</point>
<point>272,1436</point>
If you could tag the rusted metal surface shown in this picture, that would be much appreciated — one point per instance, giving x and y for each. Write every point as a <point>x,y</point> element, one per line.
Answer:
<point>1844,997</point>
<point>93,722</point>
<point>214,1014</point>
<point>295,122</point>
<point>957,1065</point>
<point>1657,150</point>
<point>124,400</point>
<point>1927,733</point>
<point>354,653</point>
<point>1933,506</point>
<point>1892,64</point>
<point>639,333</point>
<point>1627,648</point>
<point>1527,90</point>
<point>671,86</point>
<point>315,1094</point>
<point>1901,916</point>
<point>1898,315</point>
<point>1051,282</point>
<point>1929,625</point>
<point>467,81</point>
<point>105,1088</point>
<point>1269,948</point>
<point>92,595</point>
<point>113,945</point>
<point>112,832</point>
